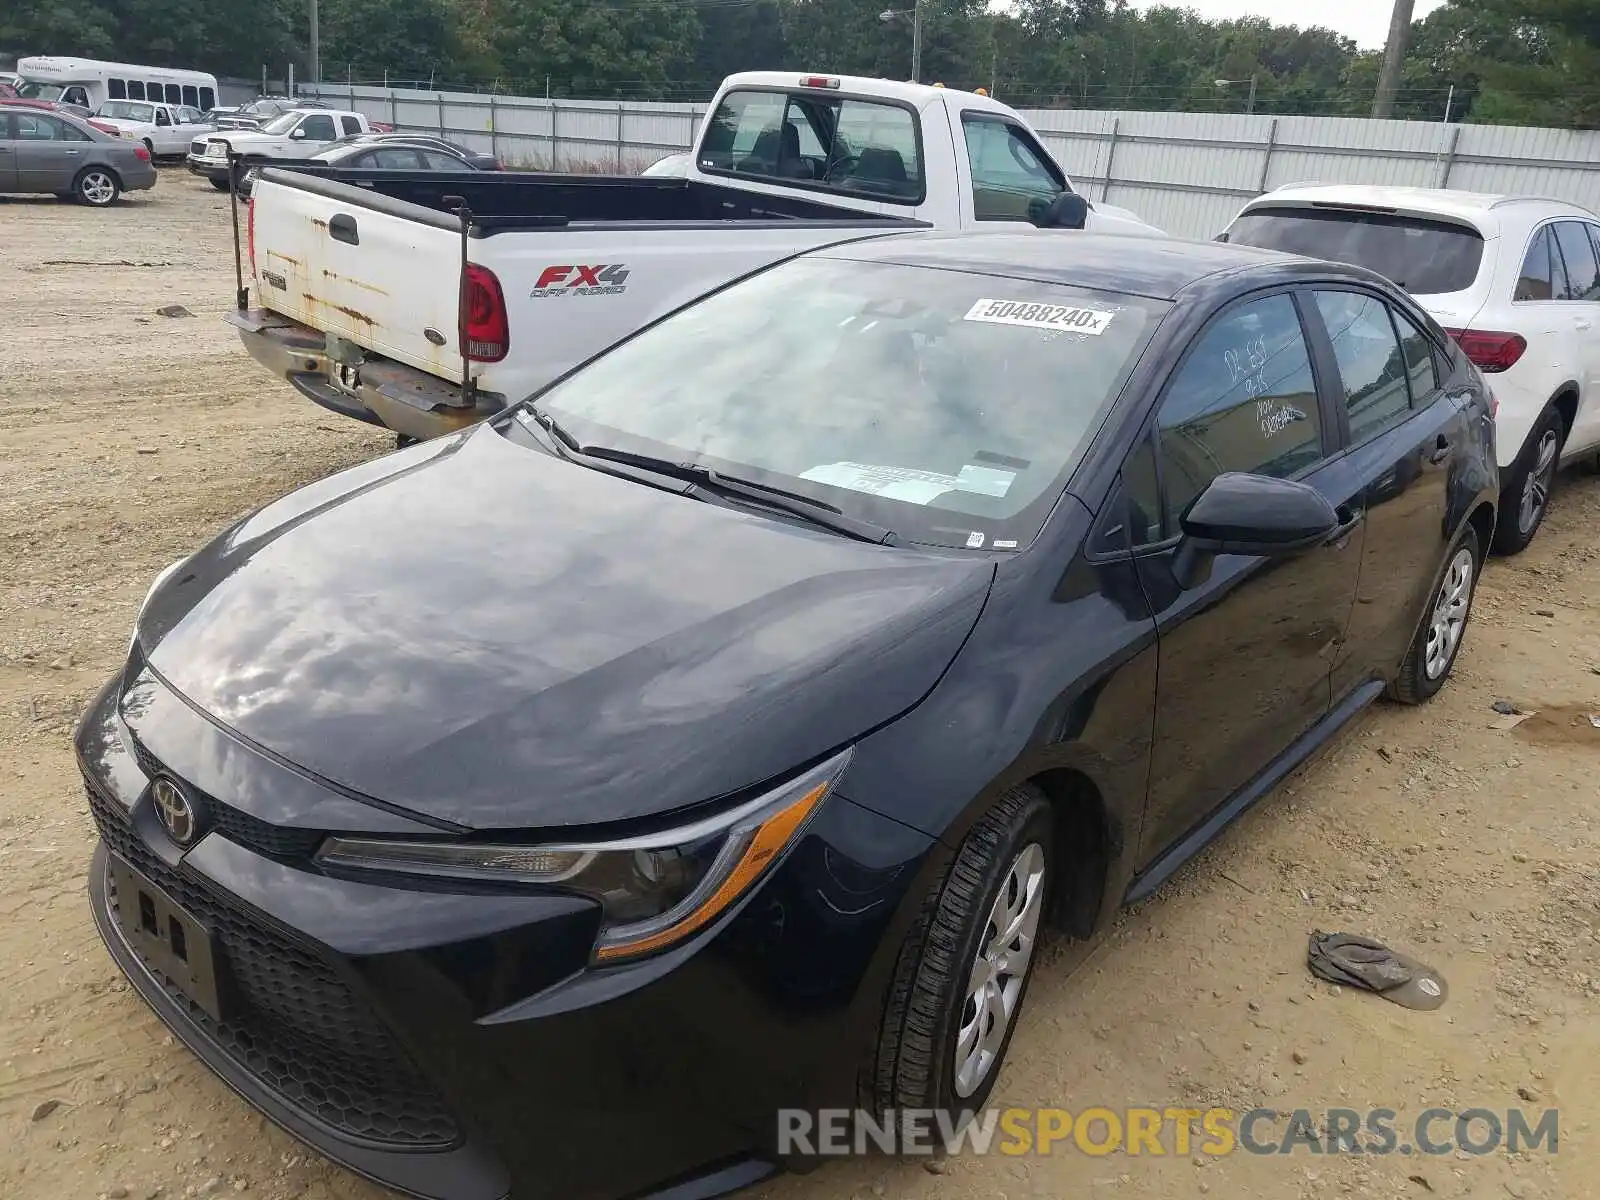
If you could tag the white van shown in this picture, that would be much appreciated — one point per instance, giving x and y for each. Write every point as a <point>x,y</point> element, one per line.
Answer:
<point>89,83</point>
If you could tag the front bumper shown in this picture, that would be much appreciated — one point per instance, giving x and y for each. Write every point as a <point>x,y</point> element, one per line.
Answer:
<point>457,1046</point>
<point>213,169</point>
<point>401,398</point>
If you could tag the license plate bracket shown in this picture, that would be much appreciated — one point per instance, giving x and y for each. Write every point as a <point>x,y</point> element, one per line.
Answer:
<point>169,937</point>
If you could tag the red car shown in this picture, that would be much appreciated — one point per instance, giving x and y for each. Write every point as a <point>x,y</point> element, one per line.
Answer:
<point>71,110</point>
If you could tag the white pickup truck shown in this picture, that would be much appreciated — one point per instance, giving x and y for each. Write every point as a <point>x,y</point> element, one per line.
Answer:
<point>296,134</point>
<point>423,301</point>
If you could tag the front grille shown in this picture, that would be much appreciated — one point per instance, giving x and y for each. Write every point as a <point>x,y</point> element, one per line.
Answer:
<point>296,1026</point>
<point>275,841</point>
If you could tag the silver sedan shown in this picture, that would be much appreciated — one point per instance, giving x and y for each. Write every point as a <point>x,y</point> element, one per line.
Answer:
<point>45,151</point>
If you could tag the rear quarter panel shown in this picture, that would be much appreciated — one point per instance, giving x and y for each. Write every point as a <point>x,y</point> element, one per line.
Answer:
<point>401,278</point>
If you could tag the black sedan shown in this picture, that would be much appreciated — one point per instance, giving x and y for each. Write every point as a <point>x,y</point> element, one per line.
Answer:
<point>543,808</point>
<point>382,152</point>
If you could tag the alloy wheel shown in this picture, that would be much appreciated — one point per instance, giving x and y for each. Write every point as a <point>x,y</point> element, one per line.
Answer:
<point>97,188</point>
<point>1449,618</point>
<point>1536,488</point>
<point>998,972</point>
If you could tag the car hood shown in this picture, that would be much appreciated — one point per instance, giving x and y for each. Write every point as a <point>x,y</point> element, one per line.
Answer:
<point>126,125</point>
<point>483,634</point>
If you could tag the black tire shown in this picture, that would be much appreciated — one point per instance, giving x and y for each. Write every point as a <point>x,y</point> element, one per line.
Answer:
<point>1525,491</point>
<point>98,187</point>
<point>914,1063</point>
<point>220,184</point>
<point>1423,673</point>
<point>151,147</point>
<point>402,440</point>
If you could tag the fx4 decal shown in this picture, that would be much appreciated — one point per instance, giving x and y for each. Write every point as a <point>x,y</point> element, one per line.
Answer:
<point>602,280</point>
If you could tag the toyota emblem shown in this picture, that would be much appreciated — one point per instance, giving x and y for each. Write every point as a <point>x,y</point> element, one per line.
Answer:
<point>175,811</point>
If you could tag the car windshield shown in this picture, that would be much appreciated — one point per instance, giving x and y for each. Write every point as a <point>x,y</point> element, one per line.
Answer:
<point>947,407</point>
<point>1426,258</point>
<point>282,124</point>
<point>128,110</point>
<point>40,91</point>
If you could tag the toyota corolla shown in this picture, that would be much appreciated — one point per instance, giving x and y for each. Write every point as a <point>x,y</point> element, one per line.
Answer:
<point>541,809</point>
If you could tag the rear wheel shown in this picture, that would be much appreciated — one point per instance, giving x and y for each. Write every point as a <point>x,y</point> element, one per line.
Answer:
<point>97,187</point>
<point>964,968</point>
<point>1433,651</point>
<point>1525,495</point>
<point>151,147</point>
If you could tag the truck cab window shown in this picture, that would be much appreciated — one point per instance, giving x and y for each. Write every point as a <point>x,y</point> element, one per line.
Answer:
<point>318,128</point>
<point>163,117</point>
<point>814,139</point>
<point>1012,180</point>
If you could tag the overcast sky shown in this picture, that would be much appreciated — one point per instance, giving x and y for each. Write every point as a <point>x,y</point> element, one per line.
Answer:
<point>1367,21</point>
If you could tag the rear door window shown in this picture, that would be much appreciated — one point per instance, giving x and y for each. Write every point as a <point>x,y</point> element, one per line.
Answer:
<point>1578,256</point>
<point>1372,370</point>
<point>818,140</point>
<point>1536,280</point>
<point>1424,257</point>
<point>350,124</point>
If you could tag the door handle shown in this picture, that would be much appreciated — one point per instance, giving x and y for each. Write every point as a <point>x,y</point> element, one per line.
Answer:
<point>1442,449</point>
<point>343,229</point>
<point>1351,517</point>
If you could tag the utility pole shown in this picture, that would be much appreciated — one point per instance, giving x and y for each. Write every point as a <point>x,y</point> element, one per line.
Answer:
<point>1394,55</point>
<point>916,41</point>
<point>315,73</point>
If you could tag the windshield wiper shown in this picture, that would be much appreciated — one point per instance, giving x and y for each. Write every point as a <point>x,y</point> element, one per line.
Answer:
<point>704,482</point>
<point>807,508</point>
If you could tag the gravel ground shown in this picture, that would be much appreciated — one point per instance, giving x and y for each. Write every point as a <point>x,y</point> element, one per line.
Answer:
<point>126,438</point>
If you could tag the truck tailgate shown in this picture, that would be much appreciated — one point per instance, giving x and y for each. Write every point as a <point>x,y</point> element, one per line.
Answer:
<point>387,282</point>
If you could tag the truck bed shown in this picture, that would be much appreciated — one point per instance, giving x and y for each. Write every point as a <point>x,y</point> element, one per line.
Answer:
<point>504,200</point>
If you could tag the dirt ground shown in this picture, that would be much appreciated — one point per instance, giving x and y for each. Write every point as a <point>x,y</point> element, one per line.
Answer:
<point>126,438</point>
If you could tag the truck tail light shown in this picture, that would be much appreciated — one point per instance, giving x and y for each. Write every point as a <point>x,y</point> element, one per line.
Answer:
<point>485,327</point>
<point>1490,351</point>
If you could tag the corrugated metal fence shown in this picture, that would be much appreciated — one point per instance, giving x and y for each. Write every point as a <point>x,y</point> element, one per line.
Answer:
<point>1187,173</point>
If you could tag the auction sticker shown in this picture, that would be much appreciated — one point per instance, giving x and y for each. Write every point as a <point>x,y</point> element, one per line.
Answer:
<point>1061,318</point>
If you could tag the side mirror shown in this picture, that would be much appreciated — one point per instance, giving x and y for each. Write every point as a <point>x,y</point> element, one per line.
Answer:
<point>1067,211</point>
<point>298,134</point>
<point>1251,514</point>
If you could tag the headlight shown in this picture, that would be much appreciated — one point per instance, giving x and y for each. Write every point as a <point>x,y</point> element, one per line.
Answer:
<point>154,584</point>
<point>656,889</point>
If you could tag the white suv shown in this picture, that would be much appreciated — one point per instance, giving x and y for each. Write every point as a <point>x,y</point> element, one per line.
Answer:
<point>1514,279</point>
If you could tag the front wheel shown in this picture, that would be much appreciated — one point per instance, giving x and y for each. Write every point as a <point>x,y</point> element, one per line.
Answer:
<point>96,187</point>
<point>964,969</point>
<point>220,184</point>
<point>1525,495</point>
<point>1433,651</point>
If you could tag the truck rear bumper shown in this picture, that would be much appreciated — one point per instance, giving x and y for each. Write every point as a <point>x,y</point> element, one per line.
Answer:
<point>378,391</point>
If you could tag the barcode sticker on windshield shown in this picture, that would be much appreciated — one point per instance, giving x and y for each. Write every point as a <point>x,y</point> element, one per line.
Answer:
<point>1058,317</point>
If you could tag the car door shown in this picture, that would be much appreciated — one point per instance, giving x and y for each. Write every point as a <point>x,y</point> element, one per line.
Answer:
<point>163,137</point>
<point>8,153</point>
<point>1404,422</point>
<point>1581,305</point>
<point>49,153</point>
<point>313,133</point>
<point>1246,654</point>
<point>189,126</point>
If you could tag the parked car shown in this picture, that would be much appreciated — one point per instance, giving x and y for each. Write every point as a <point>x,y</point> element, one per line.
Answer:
<point>261,110</point>
<point>475,158</point>
<point>717,732</point>
<point>382,152</point>
<point>786,162</point>
<point>295,134</point>
<point>165,129</point>
<point>44,151</point>
<point>1515,279</point>
<point>8,89</point>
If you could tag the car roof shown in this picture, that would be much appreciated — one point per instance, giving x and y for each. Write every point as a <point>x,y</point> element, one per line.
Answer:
<point>1481,210</point>
<point>915,94</point>
<point>1159,268</point>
